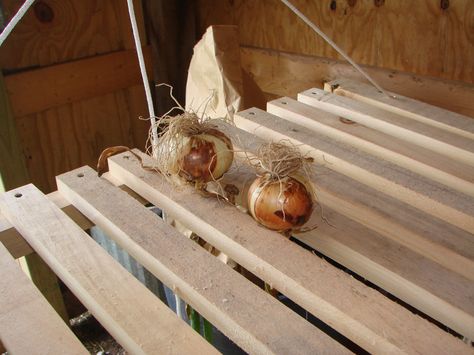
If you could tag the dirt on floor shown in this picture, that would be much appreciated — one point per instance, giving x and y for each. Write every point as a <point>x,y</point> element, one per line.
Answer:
<point>94,337</point>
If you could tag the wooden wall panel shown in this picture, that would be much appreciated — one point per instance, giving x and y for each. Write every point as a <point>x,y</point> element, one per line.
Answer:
<point>55,31</point>
<point>280,74</point>
<point>411,36</point>
<point>59,139</point>
<point>64,134</point>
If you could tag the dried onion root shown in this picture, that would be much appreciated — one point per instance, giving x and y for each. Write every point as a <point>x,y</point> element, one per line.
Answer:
<point>281,198</point>
<point>193,149</point>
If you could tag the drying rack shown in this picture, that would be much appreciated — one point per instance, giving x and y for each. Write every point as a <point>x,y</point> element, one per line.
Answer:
<point>392,266</point>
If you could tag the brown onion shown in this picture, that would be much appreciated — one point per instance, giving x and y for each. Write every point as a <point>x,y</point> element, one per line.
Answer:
<point>204,157</point>
<point>280,205</point>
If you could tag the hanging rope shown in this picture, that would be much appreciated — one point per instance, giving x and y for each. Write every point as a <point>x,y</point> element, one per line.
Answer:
<point>11,25</point>
<point>334,45</point>
<point>146,84</point>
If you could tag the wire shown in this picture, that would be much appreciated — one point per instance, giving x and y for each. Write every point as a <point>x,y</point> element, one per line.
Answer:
<point>334,45</point>
<point>11,25</point>
<point>141,62</point>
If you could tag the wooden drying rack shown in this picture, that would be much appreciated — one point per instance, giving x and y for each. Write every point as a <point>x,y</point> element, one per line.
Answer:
<point>395,178</point>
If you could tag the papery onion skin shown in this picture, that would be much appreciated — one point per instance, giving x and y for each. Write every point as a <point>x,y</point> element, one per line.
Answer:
<point>280,205</point>
<point>206,156</point>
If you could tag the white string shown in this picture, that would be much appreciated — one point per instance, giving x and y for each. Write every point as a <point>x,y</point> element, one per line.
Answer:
<point>146,84</point>
<point>334,45</point>
<point>11,25</point>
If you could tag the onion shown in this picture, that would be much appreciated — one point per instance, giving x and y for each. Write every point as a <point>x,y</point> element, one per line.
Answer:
<point>204,157</point>
<point>192,149</point>
<point>280,205</point>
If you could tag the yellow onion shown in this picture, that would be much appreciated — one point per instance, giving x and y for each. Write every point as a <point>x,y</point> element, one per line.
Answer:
<point>280,205</point>
<point>204,157</point>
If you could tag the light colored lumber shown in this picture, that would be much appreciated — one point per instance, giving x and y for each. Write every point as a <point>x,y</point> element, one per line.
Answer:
<point>443,142</point>
<point>398,254</point>
<point>13,173</point>
<point>406,106</point>
<point>44,88</point>
<point>420,160</point>
<point>138,320</point>
<point>18,247</point>
<point>422,193</point>
<point>286,74</point>
<point>46,281</point>
<point>254,320</point>
<point>28,323</point>
<point>437,240</point>
<point>361,314</point>
<point>16,244</point>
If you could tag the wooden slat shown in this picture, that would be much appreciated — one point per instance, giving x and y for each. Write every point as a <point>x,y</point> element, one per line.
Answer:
<point>41,89</point>
<point>404,106</point>
<point>138,320</point>
<point>400,249</point>
<point>360,313</point>
<point>437,240</point>
<point>28,324</point>
<point>287,74</point>
<point>253,319</point>
<point>422,193</point>
<point>16,244</point>
<point>405,154</point>
<point>433,138</point>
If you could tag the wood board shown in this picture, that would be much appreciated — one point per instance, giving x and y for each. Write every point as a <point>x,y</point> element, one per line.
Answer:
<point>441,141</point>
<point>405,106</point>
<point>28,323</point>
<point>417,191</point>
<point>107,290</point>
<point>261,251</point>
<point>376,33</point>
<point>67,122</point>
<point>279,73</point>
<point>420,160</point>
<point>402,250</point>
<point>254,320</point>
<point>40,89</point>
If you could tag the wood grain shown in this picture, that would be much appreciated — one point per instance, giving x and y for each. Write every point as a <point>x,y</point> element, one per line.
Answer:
<point>430,197</point>
<point>405,106</point>
<point>286,74</point>
<point>436,139</point>
<point>44,88</point>
<point>253,319</point>
<point>13,172</point>
<point>138,320</point>
<point>382,36</point>
<point>59,41</point>
<point>421,160</point>
<point>16,244</point>
<point>402,250</point>
<point>57,31</point>
<point>359,313</point>
<point>63,138</point>
<point>28,324</point>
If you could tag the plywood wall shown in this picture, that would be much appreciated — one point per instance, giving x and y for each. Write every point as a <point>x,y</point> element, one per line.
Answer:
<point>425,37</point>
<point>73,130</point>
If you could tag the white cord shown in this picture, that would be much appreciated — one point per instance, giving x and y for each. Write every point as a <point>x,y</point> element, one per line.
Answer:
<point>11,25</point>
<point>146,84</point>
<point>334,45</point>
